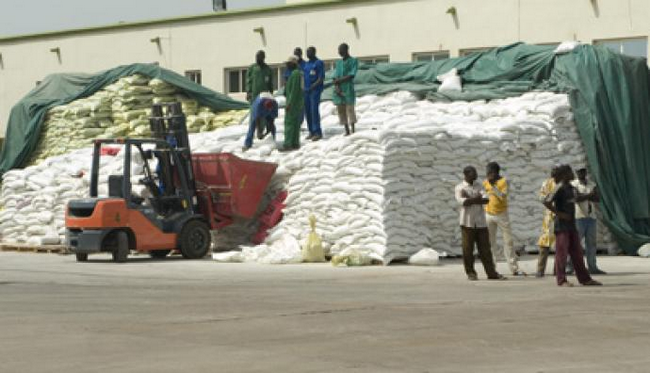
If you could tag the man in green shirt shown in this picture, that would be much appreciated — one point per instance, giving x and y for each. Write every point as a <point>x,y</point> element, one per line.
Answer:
<point>344,96</point>
<point>293,116</point>
<point>258,78</point>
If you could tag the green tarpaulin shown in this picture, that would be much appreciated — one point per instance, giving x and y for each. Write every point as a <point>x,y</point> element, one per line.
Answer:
<point>26,117</point>
<point>609,94</point>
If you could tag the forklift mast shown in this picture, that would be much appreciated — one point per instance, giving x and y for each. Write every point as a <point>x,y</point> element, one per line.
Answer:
<point>168,123</point>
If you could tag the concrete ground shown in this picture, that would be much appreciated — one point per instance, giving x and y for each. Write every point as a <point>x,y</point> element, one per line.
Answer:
<point>57,315</point>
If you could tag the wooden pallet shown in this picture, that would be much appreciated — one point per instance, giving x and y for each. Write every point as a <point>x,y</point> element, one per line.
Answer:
<point>48,249</point>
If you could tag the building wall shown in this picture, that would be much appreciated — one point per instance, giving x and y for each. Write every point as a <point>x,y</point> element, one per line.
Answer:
<point>394,28</point>
<point>300,1</point>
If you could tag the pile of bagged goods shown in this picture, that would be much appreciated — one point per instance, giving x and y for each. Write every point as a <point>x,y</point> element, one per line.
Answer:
<point>382,194</point>
<point>118,110</point>
<point>387,191</point>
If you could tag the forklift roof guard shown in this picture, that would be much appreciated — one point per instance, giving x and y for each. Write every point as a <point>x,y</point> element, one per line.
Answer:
<point>127,141</point>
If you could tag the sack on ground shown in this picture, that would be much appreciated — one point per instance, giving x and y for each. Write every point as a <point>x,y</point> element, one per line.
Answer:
<point>312,250</point>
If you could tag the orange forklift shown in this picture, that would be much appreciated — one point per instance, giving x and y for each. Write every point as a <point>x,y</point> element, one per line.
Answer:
<point>188,195</point>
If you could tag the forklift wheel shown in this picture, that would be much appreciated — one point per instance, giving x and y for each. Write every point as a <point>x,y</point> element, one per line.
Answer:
<point>121,249</point>
<point>195,240</point>
<point>159,254</point>
<point>81,257</point>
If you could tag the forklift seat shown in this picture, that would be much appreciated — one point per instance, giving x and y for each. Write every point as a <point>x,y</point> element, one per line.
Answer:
<point>115,186</point>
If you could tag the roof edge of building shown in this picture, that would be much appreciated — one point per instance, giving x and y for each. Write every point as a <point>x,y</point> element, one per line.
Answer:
<point>226,14</point>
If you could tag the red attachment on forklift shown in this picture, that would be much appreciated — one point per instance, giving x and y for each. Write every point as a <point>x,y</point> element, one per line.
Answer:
<point>270,217</point>
<point>109,150</point>
<point>236,185</point>
<point>260,237</point>
<point>273,214</point>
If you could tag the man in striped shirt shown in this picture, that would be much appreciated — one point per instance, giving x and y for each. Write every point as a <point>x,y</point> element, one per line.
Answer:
<point>471,198</point>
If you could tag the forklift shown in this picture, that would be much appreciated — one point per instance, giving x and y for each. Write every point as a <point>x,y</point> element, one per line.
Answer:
<point>188,195</point>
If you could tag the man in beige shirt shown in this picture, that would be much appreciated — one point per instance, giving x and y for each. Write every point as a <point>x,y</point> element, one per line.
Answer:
<point>471,197</point>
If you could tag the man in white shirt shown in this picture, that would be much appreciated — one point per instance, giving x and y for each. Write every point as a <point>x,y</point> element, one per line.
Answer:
<point>471,197</point>
<point>586,218</point>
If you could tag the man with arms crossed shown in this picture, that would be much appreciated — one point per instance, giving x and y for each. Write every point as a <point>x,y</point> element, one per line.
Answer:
<point>473,225</point>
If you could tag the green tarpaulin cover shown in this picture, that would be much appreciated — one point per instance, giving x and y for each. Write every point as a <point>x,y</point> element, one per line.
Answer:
<point>26,117</point>
<point>609,94</point>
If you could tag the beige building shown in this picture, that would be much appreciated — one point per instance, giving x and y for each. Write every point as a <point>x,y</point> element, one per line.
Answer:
<point>215,49</point>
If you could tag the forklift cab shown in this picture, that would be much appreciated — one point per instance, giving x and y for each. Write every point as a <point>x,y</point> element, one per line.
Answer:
<point>166,188</point>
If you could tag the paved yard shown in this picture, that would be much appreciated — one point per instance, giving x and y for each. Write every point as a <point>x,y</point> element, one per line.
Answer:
<point>57,315</point>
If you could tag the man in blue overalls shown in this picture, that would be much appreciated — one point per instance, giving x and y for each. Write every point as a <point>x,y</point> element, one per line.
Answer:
<point>314,70</point>
<point>264,110</point>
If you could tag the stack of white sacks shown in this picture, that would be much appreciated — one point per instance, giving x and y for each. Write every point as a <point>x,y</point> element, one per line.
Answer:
<point>385,192</point>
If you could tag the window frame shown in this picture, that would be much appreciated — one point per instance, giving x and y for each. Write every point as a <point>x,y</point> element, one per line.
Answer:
<point>241,79</point>
<point>467,51</point>
<point>375,59</point>
<point>277,78</point>
<point>330,64</point>
<point>278,70</point>
<point>194,75</point>
<point>433,54</point>
<point>621,41</point>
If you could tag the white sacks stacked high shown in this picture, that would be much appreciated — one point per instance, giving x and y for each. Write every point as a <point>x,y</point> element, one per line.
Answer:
<point>386,191</point>
<point>340,182</point>
<point>389,192</point>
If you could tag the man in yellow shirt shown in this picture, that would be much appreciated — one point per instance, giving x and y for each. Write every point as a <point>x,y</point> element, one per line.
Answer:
<point>496,187</point>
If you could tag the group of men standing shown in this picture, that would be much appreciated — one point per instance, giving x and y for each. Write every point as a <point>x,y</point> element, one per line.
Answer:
<point>568,219</point>
<point>303,86</point>
<point>568,223</point>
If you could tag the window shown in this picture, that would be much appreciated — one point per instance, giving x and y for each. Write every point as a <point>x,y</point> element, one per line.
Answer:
<point>277,76</point>
<point>282,71</point>
<point>194,75</point>
<point>636,47</point>
<point>329,64</point>
<point>236,80</point>
<point>468,51</point>
<point>219,5</point>
<point>374,59</point>
<point>430,56</point>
